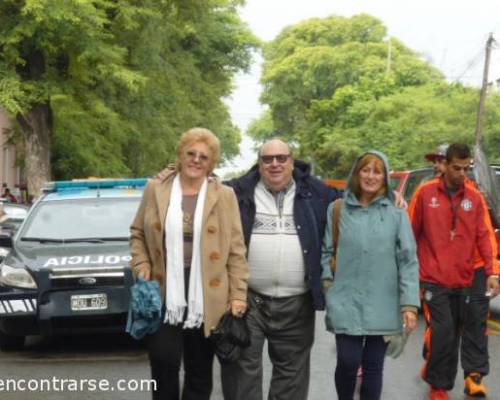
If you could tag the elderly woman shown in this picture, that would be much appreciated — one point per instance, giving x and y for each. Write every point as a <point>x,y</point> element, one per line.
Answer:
<point>187,235</point>
<point>375,285</point>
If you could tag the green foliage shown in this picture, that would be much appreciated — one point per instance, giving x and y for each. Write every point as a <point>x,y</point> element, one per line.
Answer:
<point>406,125</point>
<point>262,128</point>
<point>123,79</point>
<point>330,87</point>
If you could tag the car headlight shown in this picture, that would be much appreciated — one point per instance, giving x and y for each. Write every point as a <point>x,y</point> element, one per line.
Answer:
<point>17,277</point>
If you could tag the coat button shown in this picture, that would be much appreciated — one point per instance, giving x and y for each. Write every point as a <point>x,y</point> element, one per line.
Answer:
<point>211,229</point>
<point>215,282</point>
<point>158,227</point>
<point>214,256</point>
<point>305,251</point>
<point>298,227</point>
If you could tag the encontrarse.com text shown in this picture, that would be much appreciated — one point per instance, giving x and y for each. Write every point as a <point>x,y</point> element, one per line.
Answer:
<point>56,384</point>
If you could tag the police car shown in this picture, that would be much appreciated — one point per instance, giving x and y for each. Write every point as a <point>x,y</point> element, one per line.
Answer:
<point>68,268</point>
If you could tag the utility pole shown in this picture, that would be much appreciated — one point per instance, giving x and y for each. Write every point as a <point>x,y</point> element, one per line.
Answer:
<point>484,89</point>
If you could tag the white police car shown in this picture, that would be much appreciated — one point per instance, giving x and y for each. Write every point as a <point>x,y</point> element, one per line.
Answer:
<point>68,269</point>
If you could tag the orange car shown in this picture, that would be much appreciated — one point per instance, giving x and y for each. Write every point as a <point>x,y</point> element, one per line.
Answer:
<point>406,182</point>
<point>336,183</point>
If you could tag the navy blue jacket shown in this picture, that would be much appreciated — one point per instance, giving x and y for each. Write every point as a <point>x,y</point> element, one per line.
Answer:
<point>312,198</point>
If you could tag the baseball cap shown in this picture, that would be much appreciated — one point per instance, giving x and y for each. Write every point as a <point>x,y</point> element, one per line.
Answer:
<point>438,154</point>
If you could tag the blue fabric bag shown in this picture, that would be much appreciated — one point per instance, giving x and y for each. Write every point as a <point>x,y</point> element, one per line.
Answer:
<point>144,313</point>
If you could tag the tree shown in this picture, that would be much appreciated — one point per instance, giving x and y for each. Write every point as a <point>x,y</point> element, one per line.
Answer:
<point>324,78</point>
<point>262,128</point>
<point>405,125</point>
<point>113,84</point>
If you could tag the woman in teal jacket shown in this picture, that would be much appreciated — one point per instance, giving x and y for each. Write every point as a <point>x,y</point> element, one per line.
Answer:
<point>374,292</point>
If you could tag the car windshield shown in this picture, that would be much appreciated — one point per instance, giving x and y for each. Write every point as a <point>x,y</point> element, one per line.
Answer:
<point>81,219</point>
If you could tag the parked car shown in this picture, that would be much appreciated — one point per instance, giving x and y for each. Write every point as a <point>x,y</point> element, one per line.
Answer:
<point>339,184</point>
<point>68,269</point>
<point>406,182</point>
<point>11,217</point>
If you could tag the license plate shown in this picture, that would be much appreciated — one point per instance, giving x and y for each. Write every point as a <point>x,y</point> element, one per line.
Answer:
<point>84,302</point>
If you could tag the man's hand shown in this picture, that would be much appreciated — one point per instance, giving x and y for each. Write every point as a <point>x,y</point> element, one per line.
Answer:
<point>492,286</point>
<point>326,284</point>
<point>162,175</point>
<point>238,308</point>
<point>400,201</point>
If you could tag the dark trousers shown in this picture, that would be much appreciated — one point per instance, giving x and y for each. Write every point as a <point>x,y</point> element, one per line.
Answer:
<point>474,350</point>
<point>353,352</point>
<point>444,312</point>
<point>288,326</point>
<point>166,348</point>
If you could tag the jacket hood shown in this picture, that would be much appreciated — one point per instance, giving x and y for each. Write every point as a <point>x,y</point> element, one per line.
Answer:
<point>390,194</point>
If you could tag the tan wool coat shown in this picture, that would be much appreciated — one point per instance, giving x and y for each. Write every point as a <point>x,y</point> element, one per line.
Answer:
<point>224,267</point>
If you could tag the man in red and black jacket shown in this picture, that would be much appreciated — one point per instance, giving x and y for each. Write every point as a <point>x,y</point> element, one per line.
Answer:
<point>450,221</point>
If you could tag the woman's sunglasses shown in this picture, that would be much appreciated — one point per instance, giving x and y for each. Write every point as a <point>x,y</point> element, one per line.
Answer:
<point>193,155</point>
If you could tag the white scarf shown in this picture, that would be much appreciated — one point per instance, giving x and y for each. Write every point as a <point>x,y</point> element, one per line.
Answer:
<point>174,242</point>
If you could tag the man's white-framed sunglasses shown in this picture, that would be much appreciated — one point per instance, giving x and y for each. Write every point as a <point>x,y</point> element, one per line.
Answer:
<point>280,158</point>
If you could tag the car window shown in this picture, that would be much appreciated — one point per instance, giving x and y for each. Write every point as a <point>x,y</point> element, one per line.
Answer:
<point>81,218</point>
<point>414,180</point>
<point>394,182</point>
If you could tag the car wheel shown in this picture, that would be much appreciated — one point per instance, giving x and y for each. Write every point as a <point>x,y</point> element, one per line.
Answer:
<point>11,342</point>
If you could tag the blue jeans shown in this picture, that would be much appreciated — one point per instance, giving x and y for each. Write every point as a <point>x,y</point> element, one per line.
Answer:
<point>353,352</point>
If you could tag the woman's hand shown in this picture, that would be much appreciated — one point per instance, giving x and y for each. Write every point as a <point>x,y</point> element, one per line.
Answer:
<point>144,272</point>
<point>238,307</point>
<point>410,321</point>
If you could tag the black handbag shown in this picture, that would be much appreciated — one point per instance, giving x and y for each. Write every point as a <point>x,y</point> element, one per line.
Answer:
<point>229,337</point>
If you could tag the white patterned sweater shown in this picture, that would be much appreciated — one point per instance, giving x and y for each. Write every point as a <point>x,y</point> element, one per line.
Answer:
<point>274,254</point>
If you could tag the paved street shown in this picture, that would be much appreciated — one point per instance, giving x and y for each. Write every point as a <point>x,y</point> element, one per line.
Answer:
<point>117,357</point>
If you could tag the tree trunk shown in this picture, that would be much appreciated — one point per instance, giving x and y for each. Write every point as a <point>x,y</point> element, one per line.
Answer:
<point>36,127</point>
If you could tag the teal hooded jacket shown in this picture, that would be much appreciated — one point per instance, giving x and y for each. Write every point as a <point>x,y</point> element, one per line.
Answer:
<point>377,267</point>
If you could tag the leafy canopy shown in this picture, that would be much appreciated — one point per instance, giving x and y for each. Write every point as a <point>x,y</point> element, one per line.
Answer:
<point>338,86</point>
<point>123,79</point>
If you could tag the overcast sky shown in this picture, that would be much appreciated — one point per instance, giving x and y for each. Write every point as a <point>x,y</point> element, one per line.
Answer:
<point>451,34</point>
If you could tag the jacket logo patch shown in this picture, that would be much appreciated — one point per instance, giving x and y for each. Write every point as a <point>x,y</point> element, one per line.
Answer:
<point>434,202</point>
<point>466,204</point>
